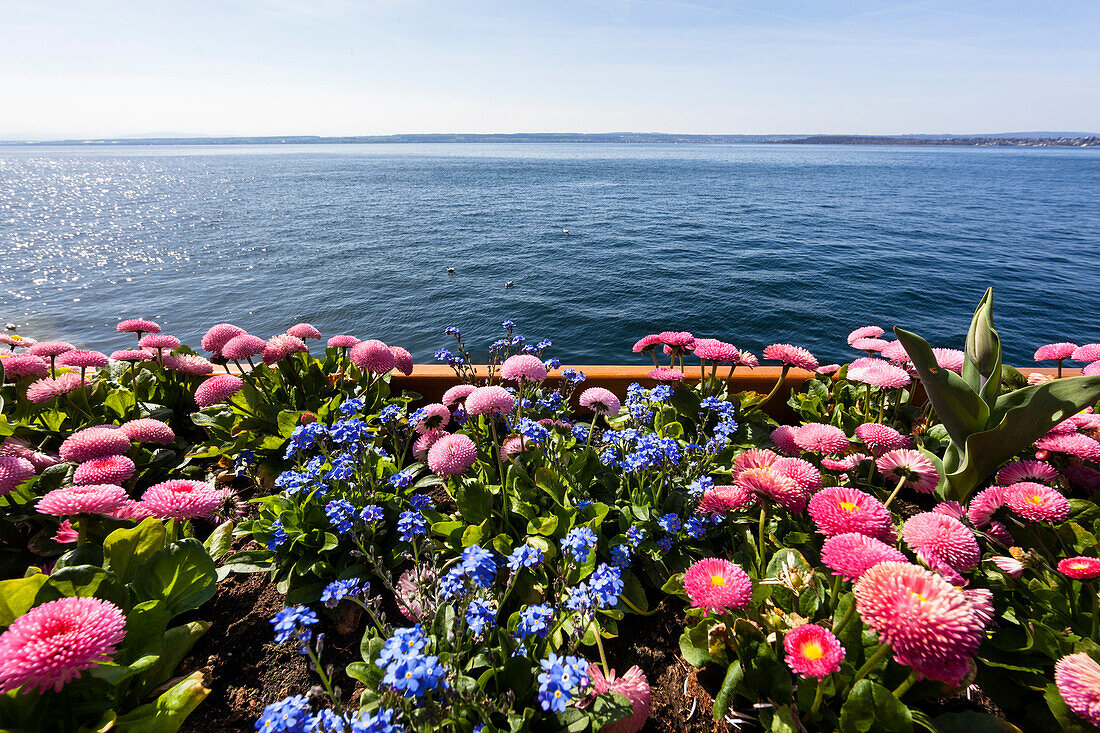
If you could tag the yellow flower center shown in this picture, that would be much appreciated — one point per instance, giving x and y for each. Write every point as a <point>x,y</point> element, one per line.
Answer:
<point>1035,499</point>
<point>812,650</point>
<point>717,580</point>
<point>919,596</point>
<point>1077,565</point>
<point>848,506</point>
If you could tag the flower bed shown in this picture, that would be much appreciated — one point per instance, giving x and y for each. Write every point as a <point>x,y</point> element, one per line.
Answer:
<point>268,539</point>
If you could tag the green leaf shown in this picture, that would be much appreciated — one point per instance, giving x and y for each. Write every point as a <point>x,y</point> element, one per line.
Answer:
<point>125,549</point>
<point>961,410</point>
<point>167,713</point>
<point>86,581</point>
<point>982,366</point>
<point>220,540</point>
<point>871,707</point>
<point>17,596</point>
<point>733,678</point>
<point>182,575</point>
<point>178,642</point>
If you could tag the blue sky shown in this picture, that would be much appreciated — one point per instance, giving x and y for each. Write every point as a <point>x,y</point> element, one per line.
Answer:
<point>332,67</point>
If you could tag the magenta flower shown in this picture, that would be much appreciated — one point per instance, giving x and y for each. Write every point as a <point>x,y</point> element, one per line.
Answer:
<point>148,430</point>
<point>402,360</point>
<point>952,509</point>
<point>43,390</point>
<point>1078,679</point>
<point>984,505</point>
<point>1055,352</point>
<point>191,364</point>
<point>281,346</point>
<point>80,359</point>
<point>717,585</point>
<point>56,641</point>
<point>723,499</point>
<point>523,368</point>
<point>752,458</point>
<point>303,331</point>
<point>218,335</point>
<point>1078,445</point>
<point>242,347</point>
<point>881,437</point>
<point>343,341</point>
<point>783,438</point>
<point>842,510</point>
<point>105,470</point>
<point>718,351</point>
<point>777,487</point>
<point>852,554</point>
<point>801,472</point>
<point>138,326</point>
<point>1080,568</point>
<point>159,341</point>
<point>451,455</point>
<point>1017,471</point>
<point>50,349</point>
<point>65,534</point>
<point>910,467</point>
<point>844,464</point>
<point>821,439</point>
<point>181,499</point>
<point>1091,370</point>
<point>1036,503</point>
<point>73,500</point>
<point>812,652</point>
<point>456,394</point>
<point>828,369</point>
<point>131,355</point>
<point>680,340</point>
<point>943,537</point>
<point>665,374</point>
<point>633,686</point>
<point>24,365</point>
<point>217,389</point>
<point>489,400</point>
<point>94,442</point>
<point>600,401</point>
<point>866,332</point>
<point>791,356</point>
<point>372,356</point>
<point>1086,352</point>
<point>647,344</point>
<point>14,470</point>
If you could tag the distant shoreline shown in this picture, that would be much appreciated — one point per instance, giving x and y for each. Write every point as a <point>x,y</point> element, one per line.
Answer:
<point>1068,140</point>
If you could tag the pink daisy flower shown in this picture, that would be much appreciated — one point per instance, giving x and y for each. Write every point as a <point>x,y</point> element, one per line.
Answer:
<point>715,350</point>
<point>723,499</point>
<point>14,470</point>
<point>1080,568</point>
<point>1072,444</point>
<point>512,447</point>
<point>717,585</point>
<point>895,352</point>
<point>105,470</point>
<point>65,534</point>
<point>56,641</point>
<point>218,335</point>
<point>665,374</point>
<point>783,438</point>
<point>869,344</point>
<point>407,591</point>
<point>132,510</point>
<point>646,344</point>
<point>1017,471</point>
<point>159,341</point>
<point>879,374</point>
<point>281,346</point>
<point>137,325</point>
<point>20,449</point>
<point>678,339</point>
<point>1055,352</point>
<point>821,439</point>
<point>841,510</point>
<point>131,355</point>
<point>451,455</point>
<point>1036,503</point>
<point>747,358</point>
<point>217,389</point>
<point>25,365</point>
<point>928,622</point>
<point>489,400</point>
<point>434,416</point>
<point>1009,566</point>
<point>16,341</point>
<point>943,537</point>
<point>812,651</point>
<point>753,458</point>
<point>81,359</point>
<point>881,437</point>
<point>1078,679</point>
<point>950,359</point>
<point>866,332</point>
<point>952,509</point>
<point>49,349</point>
<point>343,341</point>
<point>303,331</point>
<point>910,466</point>
<point>242,347</point>
<point>94,442</point>
<point>148,430</point>
<point>523,368</point>
<point>600,401</point>
<point>792,356</point>
<point>457,394</point>
<point>780,489</point>
<point>43,390</point>
<point>372,356</point>
<point>633,686</point>
<point>1091,370</point>
<point>1086,352</point>
<point>852,554</point>
<point>72,500</point>
<point>182,499</point>
<point>801,472</point>
<point>402,360</point>
<point>191,364</point>
<point>828,369</point>
<point>984,505</point>
<point>845,463</point>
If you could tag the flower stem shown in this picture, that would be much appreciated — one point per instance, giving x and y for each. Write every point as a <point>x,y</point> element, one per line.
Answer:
<point>599,646</point>
<point>874,659</point>
<point>906,684</point>
<point>894,493</point>
<point>819,695</point>
<point>760,538</point>
<point>778,384</point>
<point>1095,611</point>
<point>845,619</point>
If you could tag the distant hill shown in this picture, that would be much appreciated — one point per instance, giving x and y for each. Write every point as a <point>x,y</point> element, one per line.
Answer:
<point>1060,139</point>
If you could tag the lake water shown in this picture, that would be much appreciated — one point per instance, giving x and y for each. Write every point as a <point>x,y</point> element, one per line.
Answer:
<point>751,244</point>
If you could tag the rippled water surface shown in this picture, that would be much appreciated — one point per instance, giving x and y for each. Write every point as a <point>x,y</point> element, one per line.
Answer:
<point>752,244</point>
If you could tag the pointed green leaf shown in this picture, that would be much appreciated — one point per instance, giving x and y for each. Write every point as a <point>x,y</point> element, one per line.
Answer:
<point>961,410</point>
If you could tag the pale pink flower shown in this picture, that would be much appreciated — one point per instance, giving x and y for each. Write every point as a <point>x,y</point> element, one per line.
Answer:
<point>217,389</point>
<point>82,359</point>
<point>242,347</point>
<point>783,438</point>
<point>1038,378</point>
<point>281,346</point>
<point>821,439</point>
<point>919,473</point>
<point>952,509</point>
<point>665,374</point>
<point>600,401</point>
<point>191,364</point>
<point>523,368</point>
<point>489,400</point>
<point>159,341</point>
<point>14,470</point>
<point>106,470</point>
<point>852,554</point>
<point>452,455</point>
<point>402,360</point>
<point>866,332</point>
<point>512,447</point>
<point>812,652</point>
<point>1055,352</point>
<point>828,369</point>
<point>1010,566</point>
<point>372,356</point>
<point>303,331</point>
<point>131,355</point>
<point>944,537</point>
<point>182,499</point>
<point>869,344</point>
<point>21,449</point>
<point>747,358</point>
<point>218,335</point>
<point>45,389</point>
<point>73,500</point>
<point>844,464</point>
<point>790,355</point>
<point>1086,352</point>
<point>878,373</point>
<point>137,325</point>
<point>717,585</point>
<point>94,442</point>
<point>16,341</point>
<point>408,591</point>
<point>24,365</point>
<point>1078,679</point>
<point>895,352</point>
<point>148,430</point>
<point>647,343</point>
<point>1036,503</point>
<point>1091,370</point>
<point>426,441</point>
<point>950,359</point>
<point>633,686</point>
<point>457,394</point>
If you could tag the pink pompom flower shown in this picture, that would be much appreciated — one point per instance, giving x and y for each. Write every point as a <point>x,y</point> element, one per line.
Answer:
<point>106,470</point>
<point>182,499</point>
<point>1010,566</point>
<point>457,394</point>
<point>1055,352</point>
<point>1017,471</point>
<point>880,438</point>
<point>950,359</point>
<point>217,389</point>
<point>243,346</point>
<point>15,341</point>
<point>523,368</point>
<point>646,344</point>
<point>1091,370</point>
<point>425,441</point>
<point>372,356</point>
<point>138,326</point>
<point>45,389</point>
<point>281,346</point>
<point>148,430</point>
<point>433,416</point>
<point>218,335</point>
<point>303,331</point>
<point>65,534</point>
<point>1080,568</point>
<point>775,486</point>
<point>131,355</point>
<point>94,442</point>
<point>945,538</point>
<point>895,352</point>
<point>21,449</point>
<point>752,458</point>
<point>633,686</point>
<point>791,356</point>
<point>722,499</point>
<point>451,455</point>
<point>844,464</point>
<point>342,341</point>
<point>1036,502</point>
<point>841,510</point>
<point>911,468</point>
<point>81,359</point>
<point>191,364</point>
<point>73,500</point>
<point>489,400</point>
<point>1086,352</point>
<point>812,652</point>
<point>24,365</point>
<point>402,360</point>
<point>747,358</point>
<point>49,349</point>
<point>984,505</point>
<point>1078,445</point>
<point>878,373</point>
<point>852,554</point>
<point>717,351</point>
<point>1077,677</point>
<point>600,401</point>
<point>783,438</point>
<point>159,341</point>
<point>870,345</point>
<point>665,374</point>
<point>717,585</point>
<point>866,332</point>
<point>679,340</point>
<point>14,470</point>
<point>53,643</point>
<point>821,439</point>
<point>801,472</point>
